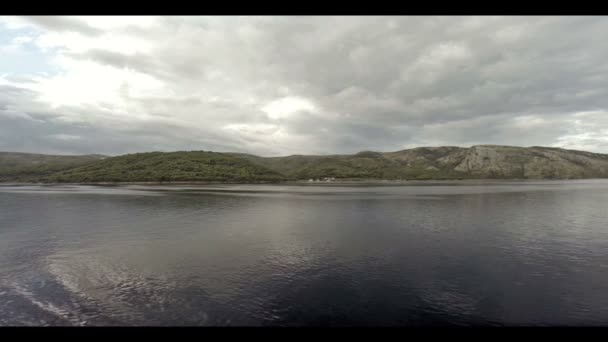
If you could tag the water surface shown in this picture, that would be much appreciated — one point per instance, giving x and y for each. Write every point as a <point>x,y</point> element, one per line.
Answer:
<point>445,253</point>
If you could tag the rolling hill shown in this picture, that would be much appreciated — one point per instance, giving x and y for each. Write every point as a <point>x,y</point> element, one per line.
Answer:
<point>24,167</point>
<point>195,166</point>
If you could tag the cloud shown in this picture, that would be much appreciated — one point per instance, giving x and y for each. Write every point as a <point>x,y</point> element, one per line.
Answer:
<point>283,85</point>
<point>66,137</point>
<point>285,107</point>
<point>64,24</point>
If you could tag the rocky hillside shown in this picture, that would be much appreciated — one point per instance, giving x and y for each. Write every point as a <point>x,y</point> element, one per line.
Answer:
<point>489,161</point>
<point>447,162</point>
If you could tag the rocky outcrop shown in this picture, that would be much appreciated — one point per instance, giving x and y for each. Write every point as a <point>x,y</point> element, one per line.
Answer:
<point>490,161</point>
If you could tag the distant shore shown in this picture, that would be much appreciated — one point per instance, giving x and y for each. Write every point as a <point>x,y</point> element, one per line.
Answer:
<point>306,182</point>
<point>425,164</point>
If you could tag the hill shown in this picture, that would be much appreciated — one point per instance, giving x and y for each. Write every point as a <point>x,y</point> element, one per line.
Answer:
<point>424,163</point>
<point>446,162</point>
<point>23,167</point>
<point>168,167</point>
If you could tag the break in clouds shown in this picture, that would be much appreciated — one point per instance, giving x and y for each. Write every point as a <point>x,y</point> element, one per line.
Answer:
<point>301,85</point>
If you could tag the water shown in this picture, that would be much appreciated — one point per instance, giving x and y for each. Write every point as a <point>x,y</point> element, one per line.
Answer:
<point>444,253</point>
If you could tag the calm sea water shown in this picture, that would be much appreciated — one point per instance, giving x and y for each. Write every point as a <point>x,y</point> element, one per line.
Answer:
<point>459,253</point>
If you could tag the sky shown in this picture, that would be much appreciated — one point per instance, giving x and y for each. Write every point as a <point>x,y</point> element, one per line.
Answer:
<point>276,86</point>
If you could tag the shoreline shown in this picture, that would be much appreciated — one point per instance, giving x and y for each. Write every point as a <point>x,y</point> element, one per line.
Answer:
<point>306,182</point>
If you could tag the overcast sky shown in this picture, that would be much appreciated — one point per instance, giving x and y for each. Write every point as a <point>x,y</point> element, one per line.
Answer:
<point>301,85</point>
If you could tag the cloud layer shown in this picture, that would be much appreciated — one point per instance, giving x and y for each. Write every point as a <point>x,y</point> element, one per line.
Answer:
<point>301,85</point>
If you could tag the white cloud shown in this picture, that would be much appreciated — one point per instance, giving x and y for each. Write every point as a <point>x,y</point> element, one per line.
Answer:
<point>14,23</point>
<point>89,83</point>
<point>529,121</point>
<point>287,106</point>
<point>115,22</point>
<point>445,52</point>
<point>66,137</point>
<point>253,129</point>
<point>15,47</point>
<point>74,42</point>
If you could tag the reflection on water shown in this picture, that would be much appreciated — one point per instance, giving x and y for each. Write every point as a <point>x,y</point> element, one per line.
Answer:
<point>455,253</point>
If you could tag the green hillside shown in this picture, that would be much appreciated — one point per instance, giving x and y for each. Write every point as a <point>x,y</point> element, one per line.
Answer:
<point>24,167</point>
<point>168,167</point>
